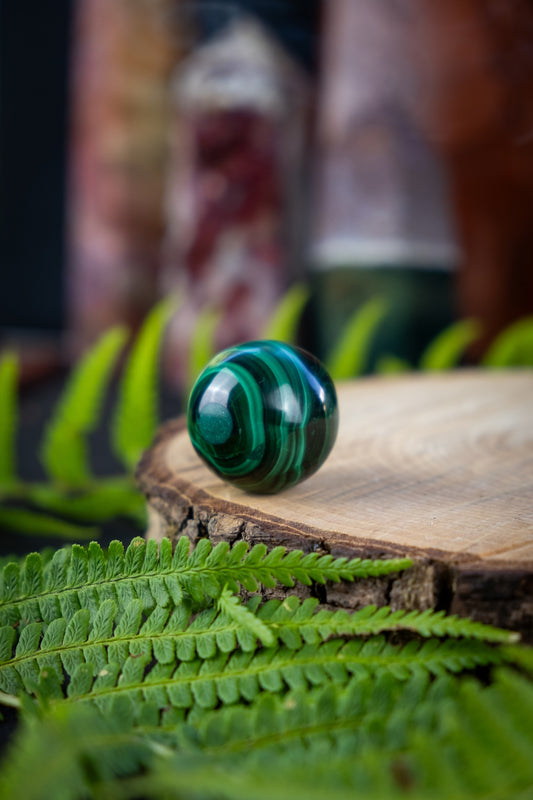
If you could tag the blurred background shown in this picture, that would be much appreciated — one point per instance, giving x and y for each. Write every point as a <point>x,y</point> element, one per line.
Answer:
<point>228,150</point>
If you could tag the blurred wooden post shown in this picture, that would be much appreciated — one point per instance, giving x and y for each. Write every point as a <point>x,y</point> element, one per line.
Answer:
<point>474,101</point>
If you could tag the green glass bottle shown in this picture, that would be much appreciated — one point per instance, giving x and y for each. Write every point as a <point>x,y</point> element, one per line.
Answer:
<point>381,217</point>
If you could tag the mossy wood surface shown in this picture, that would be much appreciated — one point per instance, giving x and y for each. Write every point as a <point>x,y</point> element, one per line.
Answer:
<point>438,467</point>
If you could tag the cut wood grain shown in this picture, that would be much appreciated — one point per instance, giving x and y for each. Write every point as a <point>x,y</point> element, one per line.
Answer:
<point>438,467</point>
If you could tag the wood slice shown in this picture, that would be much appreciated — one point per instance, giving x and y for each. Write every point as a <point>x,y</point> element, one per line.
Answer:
<point>438,467</point>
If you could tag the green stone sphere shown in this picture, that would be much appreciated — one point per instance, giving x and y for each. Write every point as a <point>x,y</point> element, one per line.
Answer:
<point>263,415</point>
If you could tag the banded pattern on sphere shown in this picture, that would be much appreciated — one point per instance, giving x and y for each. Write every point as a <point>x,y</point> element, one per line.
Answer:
<point>263,415</point>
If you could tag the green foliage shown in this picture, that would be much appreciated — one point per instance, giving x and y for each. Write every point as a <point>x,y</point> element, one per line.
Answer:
<point>64,449</point>
<point>350,354</point>
<point>84,577</point>
<point>392,365</point>
<point>104,499</point>
<point>513,347</point>
<point>202,348</point>
<point>8,418</point>
<point>285,321</point>
<point>25,520</point>
<point>140,673</point>
<point>374,738</point>
<point>73,498</point>
<point>60,756</point>
<point>446,350</point>
<point>136,415</point>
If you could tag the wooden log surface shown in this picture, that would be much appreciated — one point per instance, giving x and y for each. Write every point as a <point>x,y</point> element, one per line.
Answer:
<point>438,467</point>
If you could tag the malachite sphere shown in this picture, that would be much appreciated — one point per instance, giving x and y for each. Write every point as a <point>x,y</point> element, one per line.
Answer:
<point>263,415</point>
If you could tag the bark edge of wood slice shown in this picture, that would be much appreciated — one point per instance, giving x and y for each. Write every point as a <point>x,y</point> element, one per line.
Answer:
<point>434,466</point>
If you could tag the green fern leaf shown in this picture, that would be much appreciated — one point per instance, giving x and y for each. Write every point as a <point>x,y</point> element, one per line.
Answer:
<point>486,740</point>
<point>202,574</point>
<point>293,621</point>
<point>201,348</point>
<point>63,451</point>
<point>445,351</point>
<point>136,417</point>
<point>230,604</point>
<point>520,656</point>
<point>392,365</point>
<point>8,418</point>
<point>513,346</point>
<point>274,670</point>
<point>374,737</point>
<point>106,499</point>
<point>350,354</point>
<point>114,632</point>
<point>329,715</point>
<point>72,753</point>
<point>283,325</point>
<point>34,523</point>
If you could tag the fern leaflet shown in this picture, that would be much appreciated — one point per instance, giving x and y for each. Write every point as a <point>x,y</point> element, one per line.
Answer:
<point>445,351</point>
<point>513,346</point>
<point>8,418</point>
<point>135,418</point>
<point>350,353</point>
<point>244,618</point>
<point>283,324</point>
<point>93,635</point>
<point>64,447</point>
<point>202,345</point>
<point>105,499</point>
<point>34,523</point>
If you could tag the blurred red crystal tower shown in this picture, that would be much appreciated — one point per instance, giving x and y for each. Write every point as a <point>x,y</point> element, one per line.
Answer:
<point>234,180</point>
<point>185,172</point>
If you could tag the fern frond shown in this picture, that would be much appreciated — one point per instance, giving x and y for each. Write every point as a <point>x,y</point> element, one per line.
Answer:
<point>285,320</point>
<point>392,365</point>
<point>292,621</point>
<point>486,741</point>
<point>446,349</point>
<point>64,448</point>
<point>351,351</point>
<point>519,656</point>
<point>373,739</point>
<point>513,346</point>
<point>223,678</point>
<point>8,418</point>
<point>330,717</point>
<point>34,523</point>
<point>105,499</point>
<point>135,418</point>
<point>162,577</point>
<point>69,752</point>
<point>109,631</point>
<point>202,347</point>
